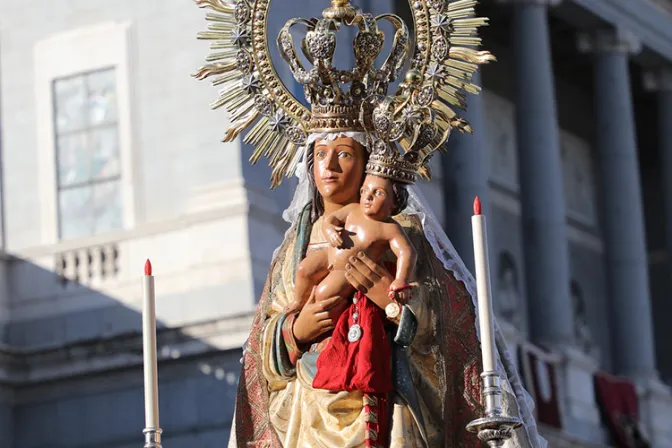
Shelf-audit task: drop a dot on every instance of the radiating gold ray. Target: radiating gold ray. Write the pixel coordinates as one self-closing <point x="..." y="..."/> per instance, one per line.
<point x="461" y="13"/>
<point x="214" y="17"/>
<point x="222" y="27"/>
<point x="461" y="4"/>
<point x="212" y="35"/>
<point x="222" y="44"/>
<point x="466" y="66"/>
<point x="214" y="57"/>
<point x="473" y="22"/>
<point x="216" y="5"/>
<point x="241" y="98"/>
<point x="227" y="77"/>
<point x="243" y="110"/>
<point x="471" y="55"/>
<point x="256" y="129"/>
<point x="227" y="97"/>
<point x="239" y="126"/>
<point x="451" y="96"/>
<point x="214" y="69"/>
<point x="468" y="41"/>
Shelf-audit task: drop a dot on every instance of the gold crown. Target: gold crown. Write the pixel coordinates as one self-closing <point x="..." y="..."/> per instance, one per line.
<point x="336" y="95"/>
<point x="385" y="161"/>
<point x="335" y="117"/>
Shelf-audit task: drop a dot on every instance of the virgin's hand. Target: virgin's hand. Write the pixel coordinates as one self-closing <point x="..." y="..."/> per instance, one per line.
<point x="370" y="278"/>
<point x="315" y="319"/>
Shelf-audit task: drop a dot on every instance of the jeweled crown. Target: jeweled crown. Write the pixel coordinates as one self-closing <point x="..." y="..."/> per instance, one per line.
<point x="336" y="95"/>
<point x="386" y="161"/>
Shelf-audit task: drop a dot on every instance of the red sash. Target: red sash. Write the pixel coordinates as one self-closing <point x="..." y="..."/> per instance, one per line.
<point x="364" y="365"/>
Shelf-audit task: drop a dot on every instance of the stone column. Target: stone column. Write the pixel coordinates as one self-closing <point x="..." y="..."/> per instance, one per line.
<point x="660" y="82"/>
<point x="546" y="249"/>
<point x="622" y="209"/>
<point x="465" y="176"/>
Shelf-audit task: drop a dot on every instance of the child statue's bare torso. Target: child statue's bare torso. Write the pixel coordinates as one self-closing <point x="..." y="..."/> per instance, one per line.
<point x="326" y="268"/>
<point x="361" y="234"/>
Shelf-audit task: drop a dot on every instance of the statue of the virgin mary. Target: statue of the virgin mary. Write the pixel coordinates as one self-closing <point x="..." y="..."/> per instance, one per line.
<point x="412" y="378"/>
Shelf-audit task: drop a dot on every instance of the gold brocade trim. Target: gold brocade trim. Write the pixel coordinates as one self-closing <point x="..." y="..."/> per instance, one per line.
<point x="370" y="400"/>
<point x="371" y="417"/>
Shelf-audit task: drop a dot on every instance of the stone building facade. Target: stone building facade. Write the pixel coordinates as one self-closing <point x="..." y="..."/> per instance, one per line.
<point x="110" y="155"/>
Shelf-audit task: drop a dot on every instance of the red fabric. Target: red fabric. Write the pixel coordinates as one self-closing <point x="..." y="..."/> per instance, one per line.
<point x="536" y="364"/>
<point x="618" y="401"/>
<point x="364" y="365"/>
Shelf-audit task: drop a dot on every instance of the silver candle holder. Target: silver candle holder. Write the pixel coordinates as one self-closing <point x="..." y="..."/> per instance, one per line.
<point x="495" y="428"/>
<point x="152" y="437"/>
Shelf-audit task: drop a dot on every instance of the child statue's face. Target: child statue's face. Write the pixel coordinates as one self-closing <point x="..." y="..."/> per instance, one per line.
<point x="377" y="197"/>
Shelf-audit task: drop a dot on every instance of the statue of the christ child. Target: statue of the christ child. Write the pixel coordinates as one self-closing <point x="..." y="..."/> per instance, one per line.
<point x="366" y="227"/>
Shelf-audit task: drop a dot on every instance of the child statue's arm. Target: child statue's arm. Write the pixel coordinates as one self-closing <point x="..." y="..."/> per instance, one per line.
<point x="333" y="224"/>
<point x="406" y="257"/>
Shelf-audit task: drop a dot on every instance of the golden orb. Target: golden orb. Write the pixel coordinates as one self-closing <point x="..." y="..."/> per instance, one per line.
<point x="413" y="77"/>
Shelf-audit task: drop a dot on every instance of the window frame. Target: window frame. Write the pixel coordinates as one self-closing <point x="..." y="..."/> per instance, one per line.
<point x="88" y="129"/>
<point x="68" y="54"/>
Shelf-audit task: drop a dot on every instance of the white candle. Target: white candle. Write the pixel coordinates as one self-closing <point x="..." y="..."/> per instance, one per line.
<point x="483" y="290"/>
<point x="149" y="349"/>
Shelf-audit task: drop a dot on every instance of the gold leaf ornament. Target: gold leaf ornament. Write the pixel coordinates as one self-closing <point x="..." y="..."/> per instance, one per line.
<point x="417" y="117"/>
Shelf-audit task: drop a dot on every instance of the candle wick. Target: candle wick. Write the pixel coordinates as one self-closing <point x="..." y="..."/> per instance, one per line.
<point x="148" y="267"/>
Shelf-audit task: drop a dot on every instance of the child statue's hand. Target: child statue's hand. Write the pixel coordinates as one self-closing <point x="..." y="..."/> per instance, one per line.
<point x="400" y="290"/>
<point x="333" y="235"/>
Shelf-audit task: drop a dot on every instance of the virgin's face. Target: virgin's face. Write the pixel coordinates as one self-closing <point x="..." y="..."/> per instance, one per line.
<point x="339" y="169"/>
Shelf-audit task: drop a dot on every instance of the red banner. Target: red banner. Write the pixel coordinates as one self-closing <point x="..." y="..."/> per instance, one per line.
<point x="540" y="376"/>
<point x="617" y="398"/>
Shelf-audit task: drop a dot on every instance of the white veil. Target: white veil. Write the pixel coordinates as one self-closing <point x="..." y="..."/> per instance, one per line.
<point x="445" y="252"/>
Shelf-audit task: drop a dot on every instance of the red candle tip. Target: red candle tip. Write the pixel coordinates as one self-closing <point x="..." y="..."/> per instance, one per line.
<point x="477" y="206"/>
<point x="148" y="267"/>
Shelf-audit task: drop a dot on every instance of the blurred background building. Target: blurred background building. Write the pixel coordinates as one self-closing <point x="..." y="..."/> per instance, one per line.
<point x="109" y="155"/>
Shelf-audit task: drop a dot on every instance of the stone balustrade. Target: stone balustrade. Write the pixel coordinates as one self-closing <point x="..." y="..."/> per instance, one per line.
<point x="209" y="264"/>
<point x="89" y="265"/>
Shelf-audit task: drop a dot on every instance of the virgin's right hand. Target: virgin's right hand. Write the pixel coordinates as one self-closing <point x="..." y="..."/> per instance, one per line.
<point x="315" y="319"/>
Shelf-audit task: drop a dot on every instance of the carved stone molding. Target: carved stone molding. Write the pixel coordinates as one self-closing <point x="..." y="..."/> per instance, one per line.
<point x="22" y="367"/>
<point x="609" y="41"/>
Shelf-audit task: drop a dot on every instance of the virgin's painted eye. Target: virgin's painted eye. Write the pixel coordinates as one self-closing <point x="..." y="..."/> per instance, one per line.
<point x="380" y="193"/>
<point x="344" y="155"/>
<point x="321" y="154"/>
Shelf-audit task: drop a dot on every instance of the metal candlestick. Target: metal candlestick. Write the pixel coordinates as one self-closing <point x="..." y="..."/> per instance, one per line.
<point x="494" y="429"/>
<point x="152" y="437"/>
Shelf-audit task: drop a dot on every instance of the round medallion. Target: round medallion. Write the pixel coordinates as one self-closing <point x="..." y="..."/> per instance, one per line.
<point x="355" y="333"/>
